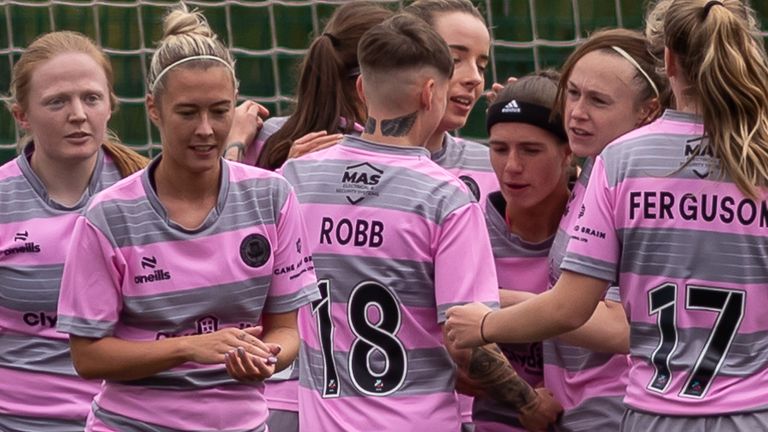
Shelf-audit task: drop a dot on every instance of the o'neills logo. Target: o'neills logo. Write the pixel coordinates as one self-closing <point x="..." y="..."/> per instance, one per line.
<point x="155" y="276"/>
<point x="28" y="247"/>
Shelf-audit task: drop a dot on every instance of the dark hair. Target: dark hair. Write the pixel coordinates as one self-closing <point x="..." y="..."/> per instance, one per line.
<point x="326" y="88"/>
<point x="634" y="44"/>
<point x="401" y="42"/>
<point x="727" y="73"/>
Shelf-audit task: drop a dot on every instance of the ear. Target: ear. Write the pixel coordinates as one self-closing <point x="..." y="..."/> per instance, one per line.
<point x="427" y="93"/>
<point x="359" y="88"/>
<point x="20" y="116"/>
<point x="153" y="110"/>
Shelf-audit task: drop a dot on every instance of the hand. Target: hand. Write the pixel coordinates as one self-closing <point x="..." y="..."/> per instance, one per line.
<point x="210" y="348"/>
<point x="246" y="124"/>
<point x="311" y="142"/>
<point x="245" y="367"/>
<point x="541" y="412"/>
<point x="496" y="88"/>
<point x="463" y="325"/>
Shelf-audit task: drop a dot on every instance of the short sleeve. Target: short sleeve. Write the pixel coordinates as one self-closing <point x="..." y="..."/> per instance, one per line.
<point x="464" y="267"/>
<point x="90" y="299"/>
<point x="593" y="248"/>
<point x="293" y="282"/>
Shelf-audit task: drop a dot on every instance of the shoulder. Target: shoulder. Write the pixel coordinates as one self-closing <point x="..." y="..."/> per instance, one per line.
<point x="10" y="170"/>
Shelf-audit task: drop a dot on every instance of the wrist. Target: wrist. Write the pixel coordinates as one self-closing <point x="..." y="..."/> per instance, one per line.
<point x="234" y="151"/>
<point x="482" y="328"/>
<point x="532" y="405"/>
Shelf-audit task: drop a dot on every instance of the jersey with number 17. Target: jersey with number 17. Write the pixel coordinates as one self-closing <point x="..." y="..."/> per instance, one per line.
<point x="396" y="241"/>
<point x="688" y="249"/>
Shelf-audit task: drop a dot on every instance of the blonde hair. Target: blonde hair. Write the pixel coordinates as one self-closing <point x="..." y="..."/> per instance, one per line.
<point x="186" y="34"/>
<point x="728" y="74"/>
<point x="48" y="46"/>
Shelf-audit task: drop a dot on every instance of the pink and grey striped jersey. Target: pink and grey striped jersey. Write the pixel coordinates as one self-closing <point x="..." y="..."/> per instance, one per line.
<point x="471" y="163"/>
<point x="689" y="252"/>
<point x="396" y="240"/>
<point x="520" y="266"/>
<point x="134" y="274"/>
<point x="589" y="385"/>
<point x="39" y="388"/>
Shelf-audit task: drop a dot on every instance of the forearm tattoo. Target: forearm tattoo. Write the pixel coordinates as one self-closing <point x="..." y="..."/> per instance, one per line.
<point x="370" y="125"/>
<point x="491" y="371"/>
<point x="399" y="126"/>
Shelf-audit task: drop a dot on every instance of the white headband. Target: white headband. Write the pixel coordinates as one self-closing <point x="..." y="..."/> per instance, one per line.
<point x="187" y="59"/>
<point x="637" y="66"/>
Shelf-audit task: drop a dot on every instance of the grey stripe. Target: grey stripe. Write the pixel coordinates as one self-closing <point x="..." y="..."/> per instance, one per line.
<point x="592" y="267"/>
<point x="291" y="302"/>
<point x="178" y="311"/>
<point x="136" y="222"/>
<point x="354" y="141"/>
<point x="572" y="358"/>
<point x="127" y="424"/>
<point x="463" y="154"/>
<point x="712" y="256"/>
<point x="19" y="201"/>
<point x="412" y="282"/>
<point x="600" y="414"/>
<point x="747" y="355"/>
<point x="756" y="419"/>
<point x="442" y="308"/>
<point x="36" y="354"/>
<point x="84" y="327"/>
<point x="10" y="423"/>
<point x="399" y="188"/>
<point x="30" y="289"/>
<point x="486" y="409"/>
<point x="188" y="380"/>
<point x="430" y="370"/>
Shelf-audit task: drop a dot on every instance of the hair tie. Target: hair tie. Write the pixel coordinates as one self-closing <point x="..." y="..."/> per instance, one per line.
<point x="334" y="40"/>
<point x="710" y="4"/>
<point x="638" y="67"/>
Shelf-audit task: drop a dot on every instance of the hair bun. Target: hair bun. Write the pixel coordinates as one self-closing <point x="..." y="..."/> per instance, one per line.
<point x="182" y="21"/>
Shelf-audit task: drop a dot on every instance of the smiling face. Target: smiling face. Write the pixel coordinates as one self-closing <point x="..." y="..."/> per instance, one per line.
<point x="194" y="115"/>
<point x="67" y="109"/>
<point x="470" y="42"/>
<point x="602" y="102"/>
<point x="531" y="164"/>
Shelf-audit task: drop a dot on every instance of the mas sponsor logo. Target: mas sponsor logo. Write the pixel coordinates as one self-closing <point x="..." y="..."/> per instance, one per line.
<point x="360" y="181"/>
<point x="155" y="275"/>
<point x="21" y="245"/>
<point x="699" y="158"/>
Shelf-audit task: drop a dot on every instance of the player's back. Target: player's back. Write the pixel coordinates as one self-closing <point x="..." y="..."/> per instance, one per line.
<point x="396" y="240"/>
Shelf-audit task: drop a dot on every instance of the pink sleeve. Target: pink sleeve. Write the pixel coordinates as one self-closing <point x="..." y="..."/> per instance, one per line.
<point x="464" y="265"/>
<point x="293" y="281"/>
<point x="90" y="299"/>
<point x="594" y="247"/>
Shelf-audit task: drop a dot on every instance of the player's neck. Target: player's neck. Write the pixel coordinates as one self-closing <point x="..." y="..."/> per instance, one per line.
<point x="540" y="222"/>
<point x="65" y="180"/>
<point x="396" y="130"/>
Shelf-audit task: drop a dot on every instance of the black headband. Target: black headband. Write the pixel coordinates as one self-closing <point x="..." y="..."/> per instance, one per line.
<point x="523" y="112"/>
<point x="710" y="4"/>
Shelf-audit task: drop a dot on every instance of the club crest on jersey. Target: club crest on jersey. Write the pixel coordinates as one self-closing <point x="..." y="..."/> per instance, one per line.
<point x="25" y="247"/>
<point x="359" y="181"/>
<point x="156" y="275"/>
<point x="471" y="185"/>
<point x="255" y="250"/>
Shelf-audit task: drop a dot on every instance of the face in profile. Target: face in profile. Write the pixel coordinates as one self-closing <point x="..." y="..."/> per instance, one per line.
<point x="531" y="163"/>
<point x="194" y="114"/>
<point x="67" y="108"/>
<point x="602" y="102"/>
<point x="469" y="42"/>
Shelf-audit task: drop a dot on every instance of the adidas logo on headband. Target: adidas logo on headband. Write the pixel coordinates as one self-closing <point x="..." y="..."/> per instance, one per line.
<point x="511" y="107"/>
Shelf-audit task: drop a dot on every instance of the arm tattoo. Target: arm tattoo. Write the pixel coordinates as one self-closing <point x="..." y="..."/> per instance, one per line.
<point x="399" y="126"/>
<point x="370" y="125"/>
<point x="492" y="372"/>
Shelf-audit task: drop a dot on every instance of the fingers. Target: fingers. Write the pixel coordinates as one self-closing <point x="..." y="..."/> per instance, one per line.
<point x="313" y="141"/>
<point x="244" y="367"/>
